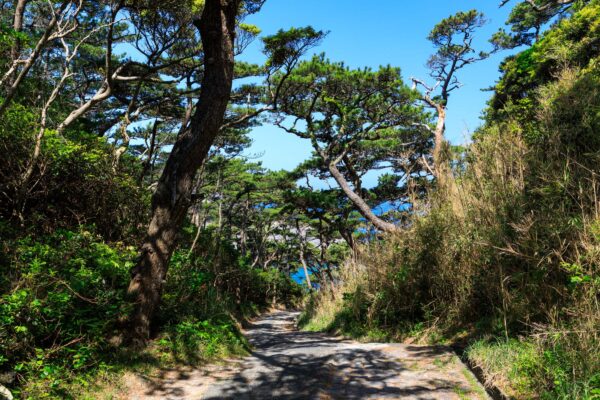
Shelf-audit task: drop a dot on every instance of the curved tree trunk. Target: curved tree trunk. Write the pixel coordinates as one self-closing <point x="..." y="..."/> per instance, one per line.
<point x="360" y="204"/>
<point x="172" y="198"/>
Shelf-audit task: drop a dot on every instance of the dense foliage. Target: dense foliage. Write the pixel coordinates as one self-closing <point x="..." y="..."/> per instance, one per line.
<point x="65" y="307"/>
<point x="493" y="247"/>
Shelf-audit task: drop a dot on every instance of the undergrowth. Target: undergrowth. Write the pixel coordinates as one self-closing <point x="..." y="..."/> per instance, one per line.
<point x="63" y="308"/>
<point x="505" y="258"/>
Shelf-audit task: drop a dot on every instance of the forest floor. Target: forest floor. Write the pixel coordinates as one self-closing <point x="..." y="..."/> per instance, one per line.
<point x="289" y="364"/>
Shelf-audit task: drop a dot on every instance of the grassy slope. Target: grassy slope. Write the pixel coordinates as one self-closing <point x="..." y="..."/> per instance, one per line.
<point x="505" y="260"/>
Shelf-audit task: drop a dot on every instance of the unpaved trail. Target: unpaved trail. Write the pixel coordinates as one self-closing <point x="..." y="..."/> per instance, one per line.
<point x="289" y="364"/>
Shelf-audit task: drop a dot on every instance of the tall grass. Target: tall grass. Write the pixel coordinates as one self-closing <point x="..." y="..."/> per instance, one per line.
<point x="508" y="254"/>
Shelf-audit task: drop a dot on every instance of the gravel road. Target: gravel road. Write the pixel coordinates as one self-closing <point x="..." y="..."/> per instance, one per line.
<point x="290" y="364"/>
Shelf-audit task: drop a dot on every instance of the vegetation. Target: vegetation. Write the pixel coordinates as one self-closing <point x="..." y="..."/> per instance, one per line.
<point x="508" y="260"/>
<point x="135" y="234"/>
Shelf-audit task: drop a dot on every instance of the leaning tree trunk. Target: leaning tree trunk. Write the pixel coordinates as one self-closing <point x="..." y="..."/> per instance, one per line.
<point x="172" y="198"/>
<point x="305" y="267"/>
<point x="303" y="256"/>
<point x="363" y="208"/>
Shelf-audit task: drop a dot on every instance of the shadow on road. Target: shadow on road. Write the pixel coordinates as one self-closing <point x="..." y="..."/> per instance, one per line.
<point x="287" y="364"/>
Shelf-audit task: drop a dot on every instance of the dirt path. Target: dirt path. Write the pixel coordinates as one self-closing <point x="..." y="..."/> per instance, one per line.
<point x="289" y="364"/>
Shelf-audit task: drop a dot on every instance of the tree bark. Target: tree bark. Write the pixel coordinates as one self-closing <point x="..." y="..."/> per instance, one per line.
<point x="15" y="50"/>
<point x="172" y="198"/>
<point x="305" y="267"/>
<point x="442" y="170"/>
<point x="302" y="245"/>
<point x="363" y="207"/>
<point x="439" y="140"/>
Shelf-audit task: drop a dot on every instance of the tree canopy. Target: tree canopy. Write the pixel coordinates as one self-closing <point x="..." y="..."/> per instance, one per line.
<point x="138" y="230"/>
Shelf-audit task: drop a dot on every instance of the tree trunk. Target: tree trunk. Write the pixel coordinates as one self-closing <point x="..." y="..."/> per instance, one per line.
<point x="172" y="198"/>
<point x="199" y="221"/>
<point x="37" y="148"/>
<point x="305" y="267"/>
<point x="439" y="137"/>
<point x="442" y="163"/>
<point x="347" y="236"/>
<point x="15" y="50"/>
<point x="362" y="206"/>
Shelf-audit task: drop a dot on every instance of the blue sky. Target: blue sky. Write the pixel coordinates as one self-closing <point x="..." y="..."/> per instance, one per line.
<point x="373" y="33"/>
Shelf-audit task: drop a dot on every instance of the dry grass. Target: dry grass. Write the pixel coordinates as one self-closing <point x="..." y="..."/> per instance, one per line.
<point x="509" y="248"/>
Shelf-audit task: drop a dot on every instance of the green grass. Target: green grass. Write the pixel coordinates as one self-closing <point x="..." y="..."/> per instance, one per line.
<point x="524" y="370"/>
<point x="191" y="342"/>
<point x="507" y="365"/>
<point x="474" y="384"/>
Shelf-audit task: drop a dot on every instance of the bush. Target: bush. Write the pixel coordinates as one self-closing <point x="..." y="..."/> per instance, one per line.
<point x="215" y="277"/>
<point x="525" y="369"/>
<point x="507" y="365"/>
<point x="62" y="298"/>
<point x="193" y="340"/>
<point x="73" y="182"/>
<point x="63" y="305"/>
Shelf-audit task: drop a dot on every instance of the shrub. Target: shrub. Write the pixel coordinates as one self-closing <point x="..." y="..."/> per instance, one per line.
<point x="62" y="298"/>
<point x="73" y="181"/>
<point x="63" y="304"/>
